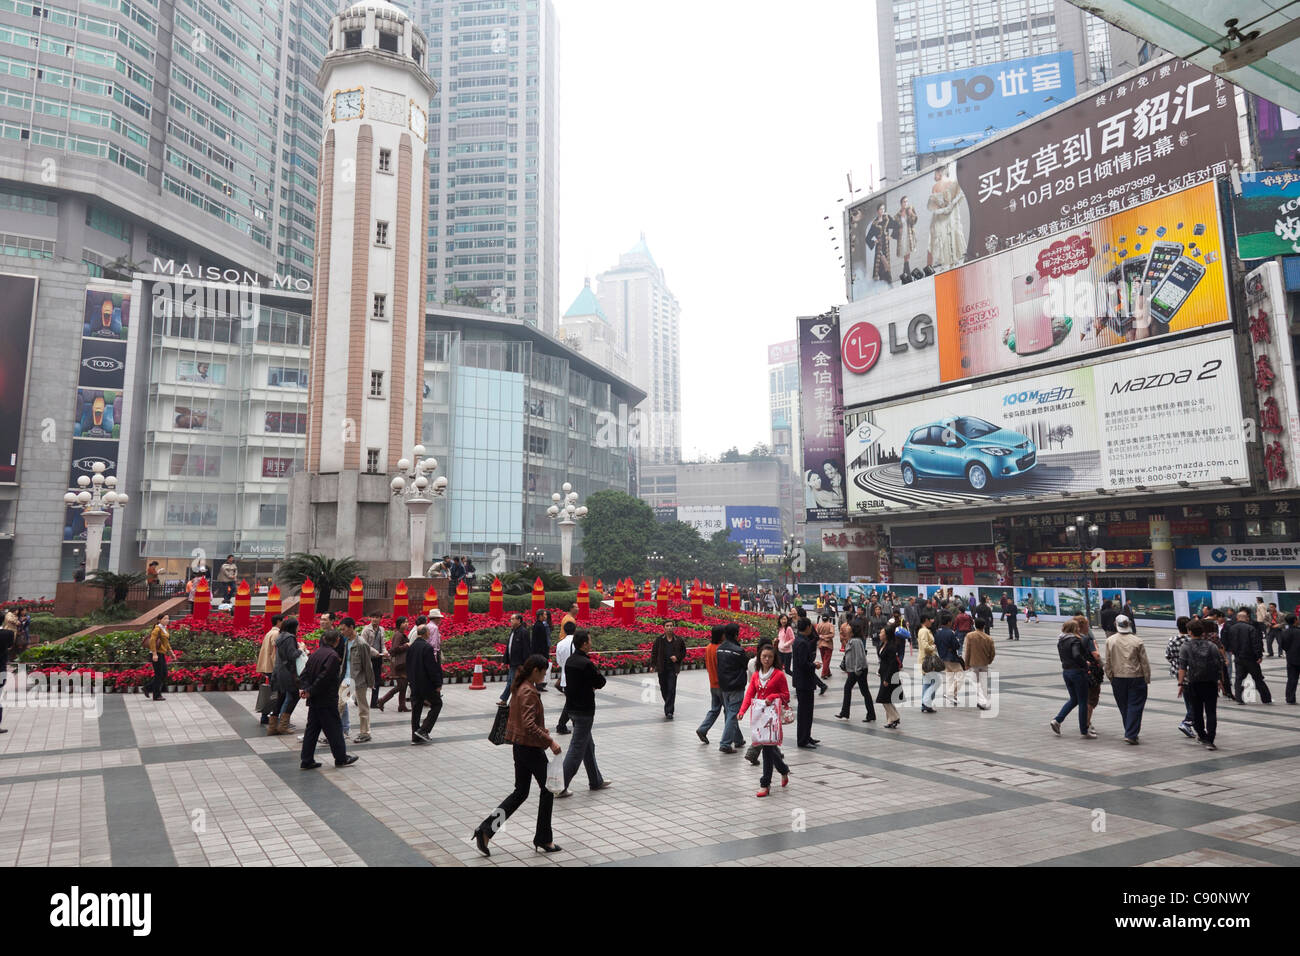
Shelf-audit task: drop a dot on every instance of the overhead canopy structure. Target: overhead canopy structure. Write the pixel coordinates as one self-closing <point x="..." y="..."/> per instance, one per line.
<point x="1220" y="37"/>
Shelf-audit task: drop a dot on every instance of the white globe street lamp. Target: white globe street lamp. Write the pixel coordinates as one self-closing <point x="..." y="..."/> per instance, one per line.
<point x="566" y="510"/>
<point x="97" y="499"/>
<point x="417" y="488"/>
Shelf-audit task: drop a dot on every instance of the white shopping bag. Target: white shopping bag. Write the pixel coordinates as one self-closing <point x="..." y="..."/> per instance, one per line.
<point x="765" y="722"/>
<point x="555" y="773"/>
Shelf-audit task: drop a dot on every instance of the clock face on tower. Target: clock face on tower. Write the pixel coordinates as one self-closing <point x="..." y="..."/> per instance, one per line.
<point x="348" y="104"/>
<point x="419" y="122"/>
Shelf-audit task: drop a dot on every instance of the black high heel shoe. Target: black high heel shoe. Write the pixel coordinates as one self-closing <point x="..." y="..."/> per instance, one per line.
<point x="553" y="848"/>
<point x="481" y="842"/>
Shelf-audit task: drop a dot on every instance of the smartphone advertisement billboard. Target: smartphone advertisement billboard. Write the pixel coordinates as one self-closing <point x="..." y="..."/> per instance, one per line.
<point x="1151" y="419"/>
<point x="1147" y="135"/>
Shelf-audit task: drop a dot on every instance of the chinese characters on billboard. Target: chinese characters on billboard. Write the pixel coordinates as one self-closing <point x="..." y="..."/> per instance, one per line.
<point x="1274" y="372"/>
<point x="1165" y="129"/>
<point x="821" y="415"/>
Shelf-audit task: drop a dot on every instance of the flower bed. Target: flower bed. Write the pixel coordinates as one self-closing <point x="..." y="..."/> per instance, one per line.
<point x="217" y="655"/>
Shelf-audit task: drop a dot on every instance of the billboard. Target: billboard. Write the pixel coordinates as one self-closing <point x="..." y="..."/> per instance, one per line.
<point x="821" y="417"/>
<point x="783" y="353"/>
<point x="17" y="315"/>
<point x="751" y="525"/>
<point x="959" y="108"/>
<point x="888" y="344"/>
<point x="1155" y="132"/>
<point x="1278" y="426"/>
<point x="1151" y="419"/>
<point x="707" y="520"/>
<point x="1151" y="270"/>
<point x="1266" y="214"/>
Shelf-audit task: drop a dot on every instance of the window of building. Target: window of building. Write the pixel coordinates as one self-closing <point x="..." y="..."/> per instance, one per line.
<point x="380" y="309"/>
<point x="272" y="516"/>
<point x="388" y="41"/>
<point x="381" y="233"/>
<point x="376" y="384"/>
<point x="372" y="461"/>
<point x="352" y="39"/>
<point x="385" y="160"/>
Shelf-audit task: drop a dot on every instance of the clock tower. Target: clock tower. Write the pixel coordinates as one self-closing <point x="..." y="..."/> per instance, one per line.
<point x="367" y="335"/>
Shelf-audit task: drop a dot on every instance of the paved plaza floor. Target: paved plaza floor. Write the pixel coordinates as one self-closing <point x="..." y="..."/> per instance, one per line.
<point x="193" y="781"/>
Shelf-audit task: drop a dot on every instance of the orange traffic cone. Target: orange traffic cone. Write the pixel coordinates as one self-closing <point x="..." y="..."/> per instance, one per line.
<point x="477" y="682"/>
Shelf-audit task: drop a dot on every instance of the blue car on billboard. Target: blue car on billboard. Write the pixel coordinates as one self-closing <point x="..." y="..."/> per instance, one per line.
<point x="966" y="447"/>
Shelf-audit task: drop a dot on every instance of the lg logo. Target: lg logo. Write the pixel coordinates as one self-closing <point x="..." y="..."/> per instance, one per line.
<point x="863" y="346"/>
<point x="941" y="94"/>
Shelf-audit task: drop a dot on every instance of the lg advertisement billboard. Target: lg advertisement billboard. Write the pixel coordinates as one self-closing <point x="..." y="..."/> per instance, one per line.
<point x="1151" y="134"/>
<point x="961" y="107"/>
<point x="1148" y="420"/>
<point x="1152" y="270"/>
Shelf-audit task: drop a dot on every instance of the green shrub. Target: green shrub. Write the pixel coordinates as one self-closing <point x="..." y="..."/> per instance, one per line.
<point x="478" y="601"/>
<point x="128" y="647"/>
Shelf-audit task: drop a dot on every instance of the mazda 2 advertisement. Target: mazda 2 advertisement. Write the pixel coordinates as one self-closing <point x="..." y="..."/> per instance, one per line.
<point x="968" y="449"/>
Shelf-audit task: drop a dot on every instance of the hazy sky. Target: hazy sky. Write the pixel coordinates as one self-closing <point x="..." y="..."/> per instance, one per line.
<point x="723" y="130"/>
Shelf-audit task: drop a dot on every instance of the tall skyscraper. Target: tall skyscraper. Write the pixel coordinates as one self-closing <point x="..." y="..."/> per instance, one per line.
<point x="494" y="229"/>
<point x="783" y="407"/>
<point x="636" y="298"/>
<point x="367" y="355"/>
<point x="923" y="37"/>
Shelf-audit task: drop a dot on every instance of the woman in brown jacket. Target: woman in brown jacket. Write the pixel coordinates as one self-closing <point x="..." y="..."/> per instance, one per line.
<point x="401" y="643"/>
<point x="526" y="730"/>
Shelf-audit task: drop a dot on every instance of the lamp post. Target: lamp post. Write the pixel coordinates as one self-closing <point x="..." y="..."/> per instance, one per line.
<point x="534" y="556"/>
<point x="1087" y="536"/>
<point x="417" y="489"/>
<point x="98" y="498"/>
<point x="791" y="549"/>
<point x="565" y="509"/>
<point x="655" y="560"/>
<point x="755" y="554"/>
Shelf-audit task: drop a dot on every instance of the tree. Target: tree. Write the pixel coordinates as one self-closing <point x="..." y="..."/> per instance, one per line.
<point x="616" y="535"/>
<point x="114" y="585"/>
<point x="682" y="548"/>
<point x="328" y="574"/>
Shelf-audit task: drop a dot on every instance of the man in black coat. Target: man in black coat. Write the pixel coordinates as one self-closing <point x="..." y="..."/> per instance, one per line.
<point x="983" y="615"/>
<point x="732" y="678"/>
<point x="581" y="681"/>
<point x="666" y="656"/>
<point x="804" y="664"/>
<point x="424" y="677"/>
<point x="1246" y="643"/>
<point x="7" y="639"/>
<point x="320" y="688"/>
<point x="1288" y="644"/>
<point x="518" y="647"/>
<point x="1107" y="617"/>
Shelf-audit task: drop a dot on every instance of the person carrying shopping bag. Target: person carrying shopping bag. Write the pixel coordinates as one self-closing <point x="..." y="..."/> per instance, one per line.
<point x="769" y="693"/>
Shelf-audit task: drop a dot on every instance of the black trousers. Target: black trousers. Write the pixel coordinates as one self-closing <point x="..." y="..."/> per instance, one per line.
<point x="1248" y="667"/>
<point x="418" y="704"/>
<point x="374" y="691"/>
<point x="564" y="711"/>
<point x="1204" y="698"/>
<point x="668" y="687"/>
<point x="530" y="764"/>
<point x="1292" y="677"/>
<point x="323" y="718"/>
<point x="1013" y="632"/>
<point x="155" y="686"/>
<point x="803" y="715"/>
<point x="1274" y="635"/>
<point x="860" y="680"/>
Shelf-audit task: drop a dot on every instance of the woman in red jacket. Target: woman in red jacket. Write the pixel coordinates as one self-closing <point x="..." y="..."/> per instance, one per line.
<point x="768" y="683"/>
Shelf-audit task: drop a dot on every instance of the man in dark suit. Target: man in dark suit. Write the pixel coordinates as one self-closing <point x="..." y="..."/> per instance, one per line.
<point x="518" y="647"/>
<point x="1011" y="613"/>
<point x="804" y="664"/>
<point x="1244" y="640"/>
<point x="320" y="683"/>
<point x="1289" y="645"/>
<point x="666" y="656"/>
<point x="424" y="676"/>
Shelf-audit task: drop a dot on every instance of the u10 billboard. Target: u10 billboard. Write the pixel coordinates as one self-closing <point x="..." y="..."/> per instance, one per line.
<point x="1152" y="419"/>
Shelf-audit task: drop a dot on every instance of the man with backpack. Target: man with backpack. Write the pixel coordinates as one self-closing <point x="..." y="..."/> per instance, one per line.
<point x="1200" y="676"/>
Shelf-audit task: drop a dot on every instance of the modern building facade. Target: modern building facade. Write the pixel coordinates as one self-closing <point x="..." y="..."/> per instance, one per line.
<point x="783" y="408"/>
<point x="645" y="314"/>
<point x="923" y="37"/>
<point x="493" y="229"/>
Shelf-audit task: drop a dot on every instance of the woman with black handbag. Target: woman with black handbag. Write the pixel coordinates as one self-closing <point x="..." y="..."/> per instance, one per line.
<point x="526" y="730"/>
